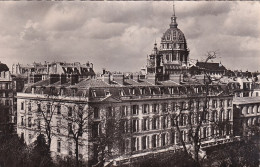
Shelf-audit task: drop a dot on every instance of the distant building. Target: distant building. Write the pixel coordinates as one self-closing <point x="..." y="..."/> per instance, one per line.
<point x="84" y="70"/>
<point x="173" y="55"/>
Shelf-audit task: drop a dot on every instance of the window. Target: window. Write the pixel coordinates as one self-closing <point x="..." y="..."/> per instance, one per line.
<point x="163" y="139"/>
<point x="70" y="128"/>
<point x="155" y="108"/>
<point x="229" y="103"/>
<point x="164" y="122"/>
<point x="58" y="109"/>
<point x="144" y="142"/>
<point x="96" y="112"/>
<point x="29" y="122"/>
<point x="48" y="108"/>
<point x="155" y="123"/>
<point x="70" y="148"/>
<point x="145" y="124"/>
<point x="58" y="146"/>
<point x="174" y="106"/>
<point x="110" y="111"/>
<point x="228" y="114"/>
<point x="145" y="108"/>
<point x="221" y="103"/>
<point x="124" y="111"/>
<point x="164" y="107"/>
<point x="135" y="109"/>
<point x="39" y="107"/>
<point x="214" y="103"/>
<point x="39" y="124"/>
<point x="135" y="123"/>
<point x="132" y="91"/>
<point x="22" y="121"/>
<point x="124" y="125"/>
<point x="58" y="125"/>
<point x="142" y="91"/>
<point x="134" y="144"/>
<point x="121" y="93"/>
<point x="173" y="137"/>
<point x="154" y="141"/>
<point x="95" y="129"/>
<point x="69" y="111"/>
<point x="7" y="102"/>
<point x="22" y="105"/>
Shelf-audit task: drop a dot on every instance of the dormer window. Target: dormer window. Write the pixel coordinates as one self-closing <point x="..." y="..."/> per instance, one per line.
<point x="61" y="91"/>
<point x="74" y="90"/>
<point x="42" y="89"/>
<point x="52" y="90"/>
<point x="171" y="90"/>
<point x="142" y="91"/>
<point x="121" y="93"/>
<point x="152" y="91"/>
<point x="162" y="90"/>
<point x="107" y="93"/>
<point x="33" y="90"/>
<point x="132" y="91"/>
<point x="94" y="93"/>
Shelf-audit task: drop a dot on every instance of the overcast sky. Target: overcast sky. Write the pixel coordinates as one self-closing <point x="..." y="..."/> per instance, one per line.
<point x="119" y="35"/>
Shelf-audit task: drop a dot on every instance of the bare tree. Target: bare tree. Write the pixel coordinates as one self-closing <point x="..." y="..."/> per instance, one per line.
<point x="77" y="119"/>
<point x="44" y="112"/>
<point x="108" y="136"/>
<point x="196" y="119"/>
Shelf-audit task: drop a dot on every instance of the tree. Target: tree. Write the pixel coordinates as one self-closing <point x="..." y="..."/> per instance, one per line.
<point x="108" y="137"/>
<point x="40" y="155"/>
<point x="44" y="112"/>
<point x="77" y="120"/>
<point x="196" y="119"/>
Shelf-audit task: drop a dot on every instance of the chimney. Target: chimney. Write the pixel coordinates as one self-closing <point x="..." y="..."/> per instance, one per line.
<point x="151" y="78"/>
<point x="54" y="78"/>
<point x="106" y="78"/>
<point x="136" y="77"/>
<point x="119" y="78"/>
<point x="103" y="71"/>
<point x="74" y="79"/>
<point x="63" y="79"/>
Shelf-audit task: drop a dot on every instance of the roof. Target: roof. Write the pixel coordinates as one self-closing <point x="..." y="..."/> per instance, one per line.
<point x="3" y="67"/>
<point x="211" y="66"/>
<point x="246" y="100"/>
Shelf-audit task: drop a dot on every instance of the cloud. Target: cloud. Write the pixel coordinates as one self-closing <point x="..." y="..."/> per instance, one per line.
<point x="120" y="35"/>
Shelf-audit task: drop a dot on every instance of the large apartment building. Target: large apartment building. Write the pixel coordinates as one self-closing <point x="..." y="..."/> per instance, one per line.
<point x="144" y="106"/>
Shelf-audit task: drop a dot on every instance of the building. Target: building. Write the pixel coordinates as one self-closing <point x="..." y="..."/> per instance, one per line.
<point x="144" y="105"/>
<point x="173" y="55"/>
<point x="84" y="70"/>
<point x="6" y="100"/>
<point x="246" y="114"/>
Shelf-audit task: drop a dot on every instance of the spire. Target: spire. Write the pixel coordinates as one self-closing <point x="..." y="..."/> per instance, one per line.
<point x="173" y="18"/>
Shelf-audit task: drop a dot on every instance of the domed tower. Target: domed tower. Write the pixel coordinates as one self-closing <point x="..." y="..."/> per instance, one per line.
<point x="174" y="51"/>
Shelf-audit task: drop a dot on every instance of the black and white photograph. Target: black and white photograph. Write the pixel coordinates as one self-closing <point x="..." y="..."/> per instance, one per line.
<point x="130" y="84"/>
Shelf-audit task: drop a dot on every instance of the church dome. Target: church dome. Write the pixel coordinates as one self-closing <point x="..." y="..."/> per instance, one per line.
<point x="173" y="38"/>
<point x="173" y="35"/>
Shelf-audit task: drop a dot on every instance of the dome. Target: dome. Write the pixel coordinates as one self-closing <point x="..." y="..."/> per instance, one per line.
<point x="173" y="35"/>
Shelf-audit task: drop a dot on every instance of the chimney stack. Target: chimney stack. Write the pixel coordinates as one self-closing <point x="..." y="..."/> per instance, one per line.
<point x="119" y="78"/>
<point x="63" y="79"/>
<point x="74" y="79"/>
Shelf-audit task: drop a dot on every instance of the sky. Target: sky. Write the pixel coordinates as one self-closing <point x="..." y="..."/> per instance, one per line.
<point x="118" y="36"/>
